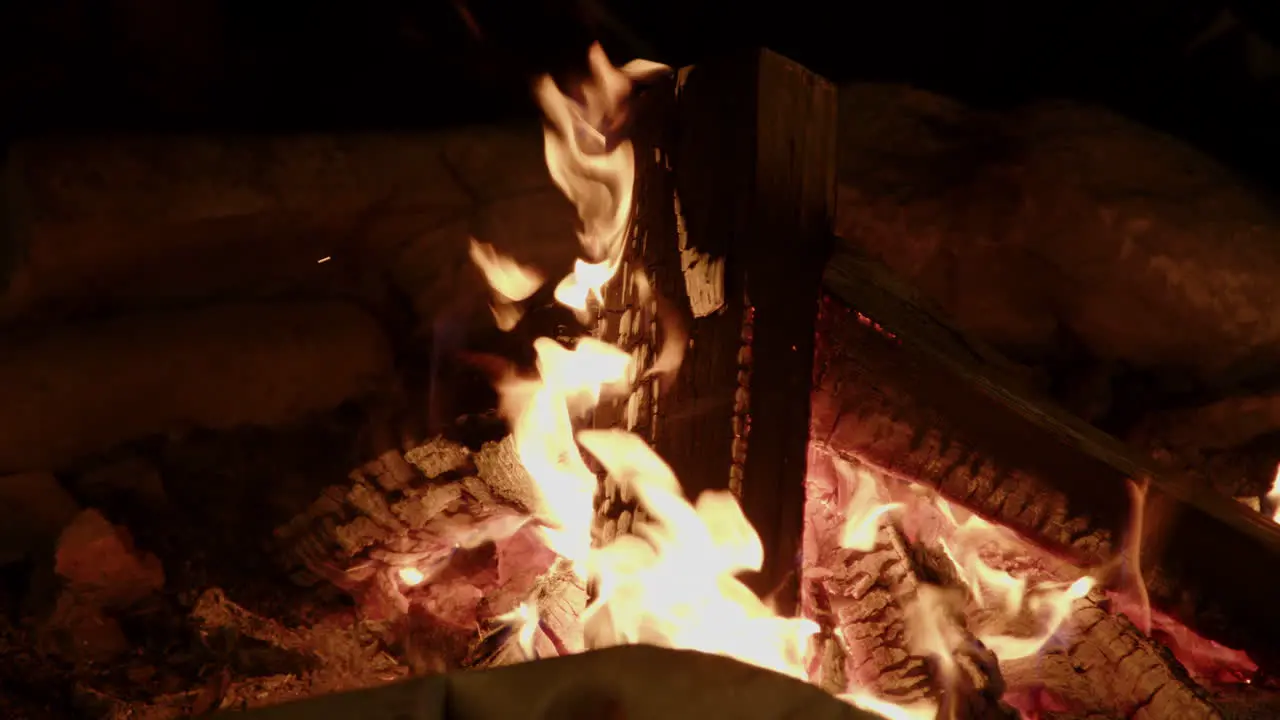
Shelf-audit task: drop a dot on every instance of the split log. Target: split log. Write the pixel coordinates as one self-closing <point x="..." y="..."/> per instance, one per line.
<point x="612" y="683"/>
<point x="905" y="392"/>
<point x="1098" y="662"/>
<point x="868" y="599"/>
<point x="457" y="520"/>
<point x="735" y="188"/>
<point x="78" y="390"/>
<point x="405" y="511"/>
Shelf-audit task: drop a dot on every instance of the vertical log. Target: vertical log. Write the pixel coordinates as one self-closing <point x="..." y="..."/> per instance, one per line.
<point x="734" y="198"/>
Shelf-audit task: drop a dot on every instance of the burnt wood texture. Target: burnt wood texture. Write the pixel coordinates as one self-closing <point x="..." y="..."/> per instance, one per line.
<point x="899" y="388"/>
<point x="733" y="209"/>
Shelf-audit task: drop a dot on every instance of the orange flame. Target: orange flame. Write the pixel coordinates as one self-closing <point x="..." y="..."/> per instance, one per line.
<point x="673" y="581"/>
<point x="1273" y="496"/>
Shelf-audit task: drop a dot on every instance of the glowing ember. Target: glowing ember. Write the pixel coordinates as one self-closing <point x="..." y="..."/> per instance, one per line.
<point x="412" y="576"/>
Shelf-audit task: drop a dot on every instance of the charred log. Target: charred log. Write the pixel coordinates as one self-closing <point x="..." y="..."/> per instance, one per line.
<point x="905" y="392"/>
<point x="871" y="605"/>
<point x="436" y="543"/>
<point x="1101" y="663"/>
<point x="734" y="198"/>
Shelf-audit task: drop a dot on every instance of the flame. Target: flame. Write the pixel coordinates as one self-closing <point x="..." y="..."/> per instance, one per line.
<point x="411" y="576"/>
<point x="511" y="282"/>
<point x="524" y="618"/>
<point x="1273" y="497"/>
<point x="674" y="580"/>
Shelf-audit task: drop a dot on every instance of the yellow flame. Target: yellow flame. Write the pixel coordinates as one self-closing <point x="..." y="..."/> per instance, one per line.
<point x="511" y="282"/>
<point x="673" y="580"/>
<point x="524" y="618"/>
<point x="1274" y="496"/>
<point x="411" y="576"/>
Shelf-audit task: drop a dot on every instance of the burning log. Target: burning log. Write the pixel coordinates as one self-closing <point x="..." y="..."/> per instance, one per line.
<point x="734" y="157"/>
<point x="901" y="390"/>
<point x="439" y="542"/>
<point x="1101" y="663"/>
<point x="870" y="596"/>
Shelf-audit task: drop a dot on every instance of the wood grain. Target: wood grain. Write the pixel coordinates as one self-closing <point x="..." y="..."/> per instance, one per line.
<point x="903" y="390"/>
<point x="747" y="145"/>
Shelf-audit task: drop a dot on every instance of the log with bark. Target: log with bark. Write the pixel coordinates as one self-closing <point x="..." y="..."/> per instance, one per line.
<point x="903" y="391"/>
<point x="733" y="202"/>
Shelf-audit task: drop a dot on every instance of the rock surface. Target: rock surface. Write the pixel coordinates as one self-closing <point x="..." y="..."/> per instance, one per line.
<point x="35" y="510"/>
<point x="141" y="221"/>
<point x="1058" y="219"/>
<point x="78" y="390"/>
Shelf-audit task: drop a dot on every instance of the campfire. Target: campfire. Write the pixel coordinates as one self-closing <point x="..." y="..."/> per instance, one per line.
<point x="723" y="431"/>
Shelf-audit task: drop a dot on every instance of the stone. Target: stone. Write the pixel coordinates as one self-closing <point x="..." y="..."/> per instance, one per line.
<point x="35" y="509"/>
<point x="82" y="632"/>
<point x="99" y="563"/>
<point x="1059" y="222"/>
<point x="139" y="221"/>
<point x="70" y="392"/>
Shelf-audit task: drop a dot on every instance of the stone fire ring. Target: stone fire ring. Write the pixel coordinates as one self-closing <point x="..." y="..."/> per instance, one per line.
<point x="634" y="682"/>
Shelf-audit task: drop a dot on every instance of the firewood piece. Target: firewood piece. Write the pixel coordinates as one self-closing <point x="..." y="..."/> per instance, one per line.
<point x="559" y="597"/>
<point x="873" y="599"/>
<point x="904" y="391"/>
<point x="499" y="466"/>
<point x="616" y="682"/>
<point x="349" y="524"/>
<point x="438" y="456"/>
<point x="1099" y="662"/>
<point x="734" y="196"/>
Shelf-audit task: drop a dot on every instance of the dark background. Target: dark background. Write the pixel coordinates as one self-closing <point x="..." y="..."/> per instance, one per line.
<point x="286" y="66"/>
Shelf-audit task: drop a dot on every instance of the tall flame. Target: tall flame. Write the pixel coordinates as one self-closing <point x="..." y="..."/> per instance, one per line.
<point x="674" y="580"/>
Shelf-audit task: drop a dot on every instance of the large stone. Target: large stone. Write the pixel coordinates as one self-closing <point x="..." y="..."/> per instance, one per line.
<point x="34" y="508"/>
<point x="79" y="390"/>
<point x="125" y="222"/>
<point x="1058" y="221"/>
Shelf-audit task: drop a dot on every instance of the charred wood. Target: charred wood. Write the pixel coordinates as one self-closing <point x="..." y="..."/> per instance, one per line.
<point x="434" y="544"/>
<point x="734" y="197"/>
<point x="1101" y="663"/>
<point x="902" y="390"/>
<point x="883" y="624"/>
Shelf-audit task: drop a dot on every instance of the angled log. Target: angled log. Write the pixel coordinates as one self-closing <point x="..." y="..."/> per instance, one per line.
<point x="866" y="601"/>
<point x="900" y="389"/>
<point x="735" y="189"/>
<point x="1100" y="663"/>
